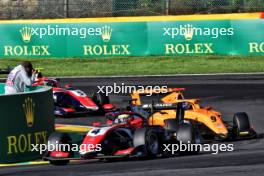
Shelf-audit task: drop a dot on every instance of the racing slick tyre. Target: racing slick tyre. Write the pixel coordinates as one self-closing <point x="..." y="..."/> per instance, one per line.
<point x="59" y="162"/>
<point x="188" y="134"/>
<point x="100" y="99"/>
<point x="171" y="125"/>
<point x="148" y="140"/>
<point x="55" y="139"/>
<point x="241" y="124"/>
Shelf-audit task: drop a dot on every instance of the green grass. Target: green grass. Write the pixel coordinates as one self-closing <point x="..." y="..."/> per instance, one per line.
<point x="144" y="65"/>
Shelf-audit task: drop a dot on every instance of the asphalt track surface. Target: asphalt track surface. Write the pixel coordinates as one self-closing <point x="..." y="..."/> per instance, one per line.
<point x="227" y="93"/>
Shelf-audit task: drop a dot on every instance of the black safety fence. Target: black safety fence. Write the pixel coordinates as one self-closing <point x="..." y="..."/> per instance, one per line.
<point x="30" y="9"/>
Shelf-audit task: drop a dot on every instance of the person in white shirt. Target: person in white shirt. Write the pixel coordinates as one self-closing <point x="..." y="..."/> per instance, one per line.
<point x="19" y="78"/>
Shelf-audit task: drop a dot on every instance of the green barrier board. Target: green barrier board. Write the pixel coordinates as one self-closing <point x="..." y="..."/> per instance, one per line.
<point x="2" y="89"/>
<point x="106" y="39"/>
<point x="26" y="119"/>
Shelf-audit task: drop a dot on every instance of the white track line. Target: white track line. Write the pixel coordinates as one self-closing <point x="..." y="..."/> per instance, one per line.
<point x="169" y="75"/>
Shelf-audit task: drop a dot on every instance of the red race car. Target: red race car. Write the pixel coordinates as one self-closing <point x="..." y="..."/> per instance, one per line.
<point x="69" y="101"/>
<point x="127" y="134"/>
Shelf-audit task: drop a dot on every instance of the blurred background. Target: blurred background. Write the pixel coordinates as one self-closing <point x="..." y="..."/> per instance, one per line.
<point x="32" y="9"/>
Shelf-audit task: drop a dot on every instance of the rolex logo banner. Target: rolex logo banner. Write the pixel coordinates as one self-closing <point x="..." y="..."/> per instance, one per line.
<point x="26" y="120"/>
<point x="229" y="34"/>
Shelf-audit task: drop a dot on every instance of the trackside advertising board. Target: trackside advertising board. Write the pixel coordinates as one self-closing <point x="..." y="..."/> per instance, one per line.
<point x="26" y="119"/>
<point x="229" y="34"/>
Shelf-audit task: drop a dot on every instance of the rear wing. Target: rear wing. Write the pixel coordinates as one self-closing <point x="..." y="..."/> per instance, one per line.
<point x="160" y="106"/>
<point x="158" y="91"/>
<point x="166" y="95"/>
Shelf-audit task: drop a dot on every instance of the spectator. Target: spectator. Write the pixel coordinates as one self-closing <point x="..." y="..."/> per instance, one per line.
<point x="19" y="78"/>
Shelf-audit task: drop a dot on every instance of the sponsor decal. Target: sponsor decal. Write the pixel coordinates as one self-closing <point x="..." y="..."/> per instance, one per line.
<point x="106" y="33"/>
<point x="106" y="49"/>
<point x="23" y="142"/>
<point x="255" y="47"/>
<point x="197" y="48"/>
<point x="188" y="31"/>
<point x="26" y="33"/>
<point x="26" y="50"/>
<point x="29" y="110"/>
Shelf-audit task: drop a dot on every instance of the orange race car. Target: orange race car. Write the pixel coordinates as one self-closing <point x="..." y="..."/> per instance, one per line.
<point x="209" y="121"/>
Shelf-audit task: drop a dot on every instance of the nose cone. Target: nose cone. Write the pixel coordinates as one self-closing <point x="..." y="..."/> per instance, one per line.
<point x="90" y="108"/>
<point x="88" y="104"/>
<point x="93" y="108"/>
<point x="222" y="136"/>
<point x="221" y="130"/>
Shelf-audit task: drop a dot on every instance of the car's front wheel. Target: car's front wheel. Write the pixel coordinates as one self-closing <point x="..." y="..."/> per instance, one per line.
<point x="55" y="139"/>
<point x="241" y="125"/>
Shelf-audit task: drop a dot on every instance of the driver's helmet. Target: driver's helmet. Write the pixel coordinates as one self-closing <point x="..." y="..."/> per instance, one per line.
<point x="122" y="118"/>
<point x="50" y="82"/>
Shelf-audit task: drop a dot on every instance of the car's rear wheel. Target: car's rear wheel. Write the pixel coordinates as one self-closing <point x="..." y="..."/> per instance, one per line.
<point x="148" y="140"/>
<point x="101" y="99"/>
<point x="171" y="125"/>
<point x="187" y="134"/>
